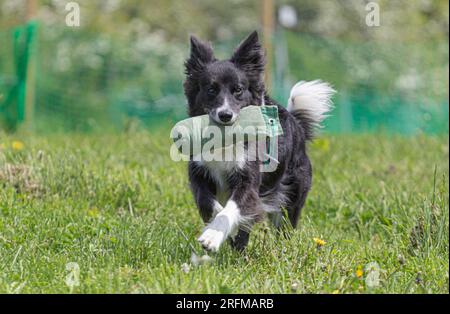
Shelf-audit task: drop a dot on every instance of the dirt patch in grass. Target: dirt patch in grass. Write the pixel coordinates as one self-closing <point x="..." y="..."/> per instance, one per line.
<point x="20" y="177"/>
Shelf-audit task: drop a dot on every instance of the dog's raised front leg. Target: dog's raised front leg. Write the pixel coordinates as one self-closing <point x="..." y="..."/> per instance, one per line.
<point x="221" y="227"/>
<point x="240" y="211"/>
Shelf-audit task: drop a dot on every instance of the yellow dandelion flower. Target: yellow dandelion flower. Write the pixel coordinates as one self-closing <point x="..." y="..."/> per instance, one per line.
<point x="335" y="292"/>
<point x="322" y="144"/>
<point x="93" y="212"/>
<point x="319" y="242"/>
<point x="17" y="145"/>
<point x="359" y="272"/>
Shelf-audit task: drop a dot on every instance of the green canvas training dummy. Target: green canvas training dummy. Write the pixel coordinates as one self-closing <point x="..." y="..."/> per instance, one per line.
<point x="197" y="135"/>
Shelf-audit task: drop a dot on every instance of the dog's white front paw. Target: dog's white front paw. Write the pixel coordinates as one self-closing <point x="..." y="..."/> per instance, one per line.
<point x="211" y="239"/>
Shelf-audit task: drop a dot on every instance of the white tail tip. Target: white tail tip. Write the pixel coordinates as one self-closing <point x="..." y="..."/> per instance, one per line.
<point x="313" y="99"/>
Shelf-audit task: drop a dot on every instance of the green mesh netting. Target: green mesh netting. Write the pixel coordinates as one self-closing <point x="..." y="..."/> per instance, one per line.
<point x="16" y="47"/>
<point x="93" y="81"/>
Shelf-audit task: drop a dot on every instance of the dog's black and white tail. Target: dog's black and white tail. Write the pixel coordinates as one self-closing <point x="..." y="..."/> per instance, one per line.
<point x="310" y="102"/>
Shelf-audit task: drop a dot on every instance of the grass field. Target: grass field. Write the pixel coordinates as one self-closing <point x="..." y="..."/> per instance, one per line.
<point x="376" y="220"/>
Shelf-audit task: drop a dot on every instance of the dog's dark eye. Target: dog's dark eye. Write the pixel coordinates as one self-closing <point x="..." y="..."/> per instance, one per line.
<point x="211" y="91"/>
<point x="238" y="91"/>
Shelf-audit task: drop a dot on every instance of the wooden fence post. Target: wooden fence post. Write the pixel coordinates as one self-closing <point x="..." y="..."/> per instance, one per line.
<point x="267" y="17"/>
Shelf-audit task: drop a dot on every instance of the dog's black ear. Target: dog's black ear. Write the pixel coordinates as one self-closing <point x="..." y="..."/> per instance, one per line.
<point x="249" y="56"/>
<point x="201" y="54"/>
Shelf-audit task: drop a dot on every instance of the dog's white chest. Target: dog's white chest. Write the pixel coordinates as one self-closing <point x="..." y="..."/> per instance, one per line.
<point x="219" y="172"/>
<point x="221" y="167"/>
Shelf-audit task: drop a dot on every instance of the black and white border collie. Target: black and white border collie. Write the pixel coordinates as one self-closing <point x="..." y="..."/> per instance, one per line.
<point x="232" y="195"/>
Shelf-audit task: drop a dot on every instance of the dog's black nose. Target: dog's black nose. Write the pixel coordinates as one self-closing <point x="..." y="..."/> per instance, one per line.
<point x="225" y="116"/>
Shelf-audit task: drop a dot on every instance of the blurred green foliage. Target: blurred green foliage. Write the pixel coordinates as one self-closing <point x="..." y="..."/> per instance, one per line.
<point x="125" y="62"/>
